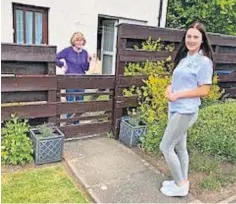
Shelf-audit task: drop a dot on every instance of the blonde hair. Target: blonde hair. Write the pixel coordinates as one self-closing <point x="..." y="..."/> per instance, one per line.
<point x="76" y="36"/>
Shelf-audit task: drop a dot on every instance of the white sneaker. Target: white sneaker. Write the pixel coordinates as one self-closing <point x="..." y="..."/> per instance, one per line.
<point x="175" y="190"/>
<point x="168" y="183"/>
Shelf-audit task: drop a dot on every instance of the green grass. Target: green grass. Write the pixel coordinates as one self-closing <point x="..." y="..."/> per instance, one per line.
<point x="218" y="172"/>
<point x="210" y="183"/>
<point x="46" y="185"/>
<point x="203" y="163"/>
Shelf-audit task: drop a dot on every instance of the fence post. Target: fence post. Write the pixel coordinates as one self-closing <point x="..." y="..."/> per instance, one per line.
<point x="52" y="94"/>
<point x="118" y="112"/>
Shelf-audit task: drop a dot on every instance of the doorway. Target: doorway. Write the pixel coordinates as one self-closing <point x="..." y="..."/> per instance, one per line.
<point x="106" y="44"/>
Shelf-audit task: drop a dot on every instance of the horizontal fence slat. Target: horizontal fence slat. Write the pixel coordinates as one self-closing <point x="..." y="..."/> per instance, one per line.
<point x="26" y="53"/>
<point x="168" y="34"/>
<point x="86" y="82"/>
<point x="126" y="102"/>
<point x="144" y="32"/>
<point x="87" y="106"/>
<point x="222" y="40"/>
<point x="29" y="111"/>
<point x="228" y="78"/>
<point x="225" y="58"/>
<point x="28" y="83"/>
<point x="84" y="118"/>
<point x="86" y="129"/>
<point x="142" y="56"/>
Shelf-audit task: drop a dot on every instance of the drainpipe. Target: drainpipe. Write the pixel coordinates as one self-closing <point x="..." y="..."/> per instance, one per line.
<point x="160" y="13"/>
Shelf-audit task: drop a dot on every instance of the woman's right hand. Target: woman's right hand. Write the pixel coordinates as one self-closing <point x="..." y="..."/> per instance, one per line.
<point x="64" y="68"/>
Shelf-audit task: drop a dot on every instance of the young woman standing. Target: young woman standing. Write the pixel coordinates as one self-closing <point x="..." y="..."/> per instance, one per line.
<point x="191" y="79"/>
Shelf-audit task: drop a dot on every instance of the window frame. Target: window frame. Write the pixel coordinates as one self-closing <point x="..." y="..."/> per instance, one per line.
<point x="24" y="8"/>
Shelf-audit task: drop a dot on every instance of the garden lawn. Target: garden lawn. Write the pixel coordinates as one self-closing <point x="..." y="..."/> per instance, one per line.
<point x="41" y="185"/>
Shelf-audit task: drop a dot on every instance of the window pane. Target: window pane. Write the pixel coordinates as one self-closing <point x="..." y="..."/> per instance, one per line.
<point x="108" y="36"/>
<point x="29" y="27"/>
<point x="19" y="27"/>
<point x="38" y="28"/>
<point x="107" y="64"/>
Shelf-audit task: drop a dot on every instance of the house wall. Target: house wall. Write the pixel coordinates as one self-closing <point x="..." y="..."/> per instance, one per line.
<point x="66" y="17"/>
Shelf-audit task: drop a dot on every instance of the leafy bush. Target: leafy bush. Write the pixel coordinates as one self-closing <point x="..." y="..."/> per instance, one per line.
<point x="153" y="103"/>
<point x="214" y="94"/>
<point x="147" y="68"/>
<point x="215" y="131"/>
<point x="16" y="146"/>
<point x="155" y="45"/>
<point x="151" y="141"/>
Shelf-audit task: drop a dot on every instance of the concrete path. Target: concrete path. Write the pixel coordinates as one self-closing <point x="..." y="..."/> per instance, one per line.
<point x="112" y="173"/>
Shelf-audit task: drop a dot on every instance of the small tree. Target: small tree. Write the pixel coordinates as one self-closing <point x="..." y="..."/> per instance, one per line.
<point x="219" y="16"/>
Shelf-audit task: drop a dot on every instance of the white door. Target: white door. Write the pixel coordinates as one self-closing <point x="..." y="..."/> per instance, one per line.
<point x="108" y="48"/>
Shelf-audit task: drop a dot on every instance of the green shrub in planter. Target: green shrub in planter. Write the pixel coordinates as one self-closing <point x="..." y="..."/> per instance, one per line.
<point x="48" y="142"/>
<point x="215" y="131"/>
<point x="16" y="146"/>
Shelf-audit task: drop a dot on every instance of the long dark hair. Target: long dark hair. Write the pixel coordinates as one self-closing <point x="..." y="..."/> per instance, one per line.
<point x="205" y="46"/>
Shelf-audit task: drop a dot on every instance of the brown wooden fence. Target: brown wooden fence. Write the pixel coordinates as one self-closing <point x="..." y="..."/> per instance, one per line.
<point x="28" y="59"/>
<point x="97" y="112"/>
<point x="32" y="90"/>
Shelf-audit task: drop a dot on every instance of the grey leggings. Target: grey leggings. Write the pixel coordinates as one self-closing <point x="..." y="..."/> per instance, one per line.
<point x="174" y="144"/>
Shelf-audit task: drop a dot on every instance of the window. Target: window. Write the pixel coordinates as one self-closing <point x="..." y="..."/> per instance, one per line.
<point x="30" y="24"/>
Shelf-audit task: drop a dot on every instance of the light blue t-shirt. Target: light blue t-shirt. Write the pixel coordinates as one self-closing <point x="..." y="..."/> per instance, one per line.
<point x="191" y="72"/>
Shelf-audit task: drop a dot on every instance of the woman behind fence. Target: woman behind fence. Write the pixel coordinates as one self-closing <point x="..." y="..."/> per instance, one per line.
<point x="76" y="61"/>
<point x="191" y="79"/>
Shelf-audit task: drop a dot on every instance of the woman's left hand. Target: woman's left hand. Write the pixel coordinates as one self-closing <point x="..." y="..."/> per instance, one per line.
<point x="172" y="96"/>
<point x="89" y="58"/>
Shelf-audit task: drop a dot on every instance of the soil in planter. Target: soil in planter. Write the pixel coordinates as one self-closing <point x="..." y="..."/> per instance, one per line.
<point x="141" y="123"/>
<point x="206" y="186"/>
